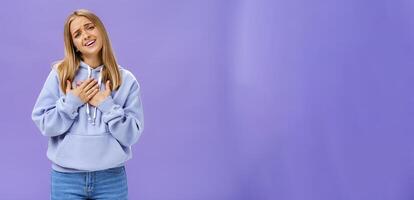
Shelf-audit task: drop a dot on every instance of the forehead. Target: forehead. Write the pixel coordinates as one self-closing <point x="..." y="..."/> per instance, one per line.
<point x="78" y="22"/>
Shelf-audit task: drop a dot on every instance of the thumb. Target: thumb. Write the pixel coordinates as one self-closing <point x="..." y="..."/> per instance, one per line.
<point x="68" y="86"/>
<point x="107" y="86"/>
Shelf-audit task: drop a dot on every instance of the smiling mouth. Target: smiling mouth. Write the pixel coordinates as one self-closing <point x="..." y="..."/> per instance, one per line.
<point x="90" y="43"/>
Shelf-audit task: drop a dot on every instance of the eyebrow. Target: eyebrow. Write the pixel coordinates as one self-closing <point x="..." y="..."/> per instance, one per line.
<point x="87" y="24"/>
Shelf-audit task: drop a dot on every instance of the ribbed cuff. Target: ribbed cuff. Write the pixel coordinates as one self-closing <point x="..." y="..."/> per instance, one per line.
<point x="106" y="105"/>
<point x="73" y="102"/>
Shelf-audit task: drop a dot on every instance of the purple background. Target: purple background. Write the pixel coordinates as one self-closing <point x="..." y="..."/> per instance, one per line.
<point x="254" y="99"/>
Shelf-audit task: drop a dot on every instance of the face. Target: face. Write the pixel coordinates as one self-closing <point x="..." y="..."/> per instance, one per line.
<point x="86" y="36"/>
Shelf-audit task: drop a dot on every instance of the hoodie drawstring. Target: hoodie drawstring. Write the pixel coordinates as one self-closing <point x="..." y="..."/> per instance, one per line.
<point x="99" y="88"/>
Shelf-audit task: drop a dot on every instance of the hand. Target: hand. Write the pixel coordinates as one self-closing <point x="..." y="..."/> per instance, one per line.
<point x="101" y="95"/>
<point x="85" y="91"/>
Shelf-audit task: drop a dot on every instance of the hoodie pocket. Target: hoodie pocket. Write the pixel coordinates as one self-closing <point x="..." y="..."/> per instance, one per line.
<point x="90" y="152"/>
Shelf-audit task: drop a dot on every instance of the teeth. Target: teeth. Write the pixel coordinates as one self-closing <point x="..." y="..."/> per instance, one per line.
<point x="90" y="42"/>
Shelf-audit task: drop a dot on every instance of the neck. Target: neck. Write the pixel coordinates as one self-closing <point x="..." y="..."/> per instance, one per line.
<point x="92" y="61"/>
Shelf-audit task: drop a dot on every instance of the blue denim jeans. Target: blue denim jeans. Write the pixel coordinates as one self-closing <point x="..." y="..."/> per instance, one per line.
<point x="105" y="184"/>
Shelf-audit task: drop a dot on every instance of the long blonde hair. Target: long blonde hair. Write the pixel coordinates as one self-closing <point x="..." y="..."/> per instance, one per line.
<point x="68" y="66"/>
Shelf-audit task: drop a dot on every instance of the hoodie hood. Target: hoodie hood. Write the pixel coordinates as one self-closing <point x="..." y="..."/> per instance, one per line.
<point x="83" y="65"/>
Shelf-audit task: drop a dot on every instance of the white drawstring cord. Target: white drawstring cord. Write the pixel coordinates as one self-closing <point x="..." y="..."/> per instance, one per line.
<point x="87" y="104"/>
<point x="99" y="88"/>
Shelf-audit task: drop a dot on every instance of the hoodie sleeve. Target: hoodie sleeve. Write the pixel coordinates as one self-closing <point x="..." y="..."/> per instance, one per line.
<point x="126" y="122"/>
<point x="54" y="114"/>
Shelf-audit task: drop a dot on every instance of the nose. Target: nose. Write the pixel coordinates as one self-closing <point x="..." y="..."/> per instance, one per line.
<point x="85" y="35"/>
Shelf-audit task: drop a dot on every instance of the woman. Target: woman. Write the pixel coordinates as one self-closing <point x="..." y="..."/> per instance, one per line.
<point x="90" y="109"/>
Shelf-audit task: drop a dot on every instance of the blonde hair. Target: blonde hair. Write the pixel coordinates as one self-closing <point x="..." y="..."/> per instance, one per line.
<point x="68" y="66"/>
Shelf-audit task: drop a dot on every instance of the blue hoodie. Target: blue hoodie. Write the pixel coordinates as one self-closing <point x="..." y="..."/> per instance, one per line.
<point x="77" y="141"/>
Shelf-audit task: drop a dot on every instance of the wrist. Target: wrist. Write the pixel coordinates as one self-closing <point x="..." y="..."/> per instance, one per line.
<point x="106" y="104"/>
<point x="73" y="100"/>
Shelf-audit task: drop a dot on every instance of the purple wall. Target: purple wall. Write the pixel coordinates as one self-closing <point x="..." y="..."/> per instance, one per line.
<point x="255" y="100"/>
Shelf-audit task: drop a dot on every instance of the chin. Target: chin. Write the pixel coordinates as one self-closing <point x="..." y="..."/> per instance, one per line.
<point x="93" y="52"/>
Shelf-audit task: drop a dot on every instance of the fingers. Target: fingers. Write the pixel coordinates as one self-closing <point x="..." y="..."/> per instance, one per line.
<point x="86" y="96"/>
<point x="92" y="93"/>
<point x="90" y="85"/>
<point x="89" y="88"/>
<point x="85" y="83"/>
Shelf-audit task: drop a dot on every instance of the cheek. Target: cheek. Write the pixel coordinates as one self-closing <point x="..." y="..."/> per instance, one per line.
<point x="77" y="43"/>
<point x="97" y="34"/>
<point x="99" y="41"/>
